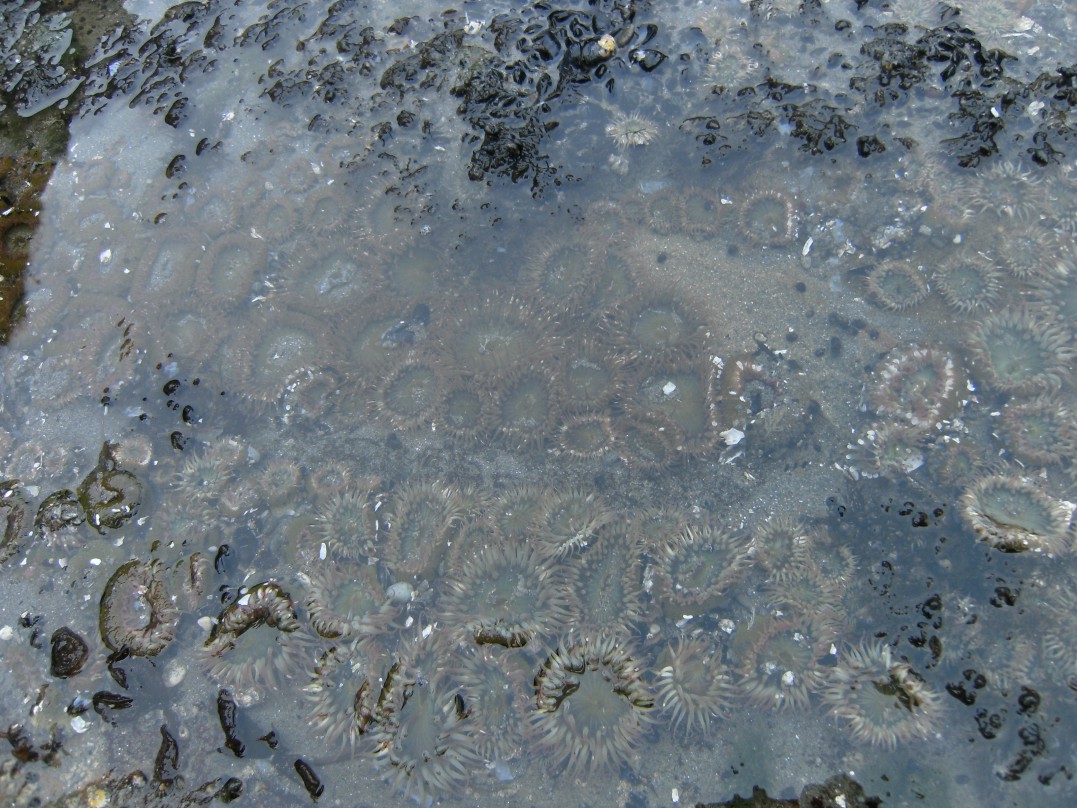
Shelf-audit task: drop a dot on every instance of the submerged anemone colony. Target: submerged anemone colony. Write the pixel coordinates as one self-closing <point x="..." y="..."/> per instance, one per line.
<point x="461" y="503"/>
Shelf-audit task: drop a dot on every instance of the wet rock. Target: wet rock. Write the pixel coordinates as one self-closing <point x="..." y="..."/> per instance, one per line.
<point x="69" y="653"/>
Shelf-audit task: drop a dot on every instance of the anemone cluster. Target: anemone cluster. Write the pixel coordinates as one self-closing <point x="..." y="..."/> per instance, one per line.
<point x="456" y="521"/>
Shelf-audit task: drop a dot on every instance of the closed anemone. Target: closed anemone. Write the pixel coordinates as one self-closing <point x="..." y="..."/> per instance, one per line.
<point x="505" y="596"/>
<point x="137" y="610"/>
<point x="591" y="706"/>
<point x="1012" y="514"/>
<point x="884" y="701"/>
<point x="693" y="684"/>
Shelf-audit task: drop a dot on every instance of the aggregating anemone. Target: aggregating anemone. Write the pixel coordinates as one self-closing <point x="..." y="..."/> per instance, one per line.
<point x="137" y="611"/>
<point x="423" y="735"/>
<point x="257" y="644"/>
<point x="1016" y="351"/>
<point x="780" y="668"/>
<point x="506" y="596"/>
<point x="883" y="700"/>
<point x="1013" y="514"/>
<point x="591" y="706"/>
<point x="693" y="686"/>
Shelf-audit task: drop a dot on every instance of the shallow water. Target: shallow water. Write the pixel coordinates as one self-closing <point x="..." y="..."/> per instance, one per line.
<point x="764" y="310"/>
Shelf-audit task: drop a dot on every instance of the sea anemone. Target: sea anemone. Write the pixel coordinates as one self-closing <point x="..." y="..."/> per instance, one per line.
<point x="413" y="273"/>
<point x="410" y="394"/>
<point x="702" y="213"/>
<point x="897" y="285"/>
<point x="683" y="393"/>
<point x="343" y="692"/>
<point x="1032" y="252"/>
<point x="279" y="480"/>
<point x="568" y="521"/>
<point x="693" y="685"/>
<point x="783" y="547"/>
<point x="256" y="644"/>
<point x="58" y="520"/>
<point x="505" y="595"/>
<point x="657" y="328"/>
<point x="585" y="437"/>
<point x="769" y="218"/>
<point x="919" y="385"/>
<point x="526" y="408"/>
<point x="346" y="520"/>
<point x="137" y="610"/>
<point x="330" y="279"/>
<point x="1017" y="351"/>
<point x="281" y="344"/>
<point x="589" y="377"/>
<point x="1042" y="431"/>
<point x="887" y="449"/>
<point x="969" y="283"/>
<point x="464" y="414"/>
<point x="885" y="702"/>
<point x="518" y="508"/>
<point x="424" y="734"/>
<point x="629" y="129"/>
<point x="648" y="441"/>
<point x="696" y="569"/>
<point x="1014" y="515"/>
<point x="329" y="210"/>
<point x="663" y="211"/>
<point x="1007" y="190"/>
<point x="495" y="335"/>
<point x="591" y="705"/>
<point x="560" y="270"/>
<point x="346" y="600"/>
<point x="780" y="669"/>
<point x="1059" y="636"/>
<point x="496" y="688"/>
<point x="231" y="267"/>
<point x="608" y="581"/>
<point x="418" y="524"/>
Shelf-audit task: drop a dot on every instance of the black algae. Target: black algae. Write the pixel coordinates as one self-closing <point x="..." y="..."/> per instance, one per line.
<point x="69" y="653"/>
<point x="310" y="780"/>
<point x="104" y="703"/>
<point x="226" y="711"/>
<point x="166" y="766"/>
